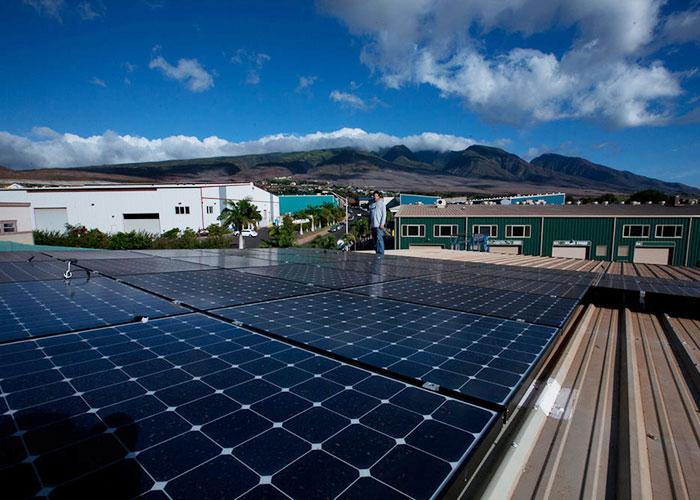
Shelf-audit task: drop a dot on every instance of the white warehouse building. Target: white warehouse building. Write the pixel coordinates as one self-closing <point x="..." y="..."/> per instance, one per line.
<point x="128" y="207"/>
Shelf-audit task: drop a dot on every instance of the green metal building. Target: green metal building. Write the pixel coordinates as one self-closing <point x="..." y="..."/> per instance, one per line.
<point x="654" y="234"/>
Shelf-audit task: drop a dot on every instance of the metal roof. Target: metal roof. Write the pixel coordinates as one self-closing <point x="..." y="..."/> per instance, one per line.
<point x="548" y="211"/>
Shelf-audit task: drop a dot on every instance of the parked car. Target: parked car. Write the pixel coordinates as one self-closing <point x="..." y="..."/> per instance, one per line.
<point x="246" y="233"/>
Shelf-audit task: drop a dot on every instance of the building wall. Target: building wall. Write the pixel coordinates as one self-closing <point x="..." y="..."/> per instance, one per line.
<point x="678" y="244"/>
<point x="104" y="208"/>
<point x="19" y="214"/>
<point x="551" y="199"/>
<point x="411" y="199"/>
<point x="530" y="246"/>
<point x="293" y="203"/>
<point x="429" y="239"/>
<point x="693" y="250"/>
<point x="598" y="231"/>
<point x="594" y="231"/>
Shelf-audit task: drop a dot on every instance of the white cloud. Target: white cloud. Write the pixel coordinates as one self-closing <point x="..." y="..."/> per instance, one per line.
<point x="88" y="12"/>
<point x="187" y="70"/>
<point x="97" y="81"/>
<point x="682" y="27"/>
<point x="51" y="8"/>
<point x="129" y="67"/>
<point x="305" y="82"/>
<point x="253" y="61"/>
<point x="53" y="150"/>
<point x="601" y="76"/>
<point x="348" y="99"/>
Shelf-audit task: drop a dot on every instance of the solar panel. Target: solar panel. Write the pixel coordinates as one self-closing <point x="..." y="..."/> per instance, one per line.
<point x="190" y="406"/>
<point x="377" y="266"/>
<point x="217" y="287"/>
<point x="22" y="256"/>
<point x="483" y="358"/>
<point x="176" y="252"/>
<point x="96" y="254"/>
<point x="118" y="267"/>
<point x="573" y="291"/>
<point x="11" y="272"/>
<point x="327" y="277"/>
<point x="225" y="261"/>
<point x="540" y="309"/>
<point x="39" y="308"/>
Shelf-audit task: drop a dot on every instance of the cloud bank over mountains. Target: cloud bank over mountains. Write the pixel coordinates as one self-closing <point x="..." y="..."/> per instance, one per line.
<point x="49" y="149"/>
<point x="609" y="71"/>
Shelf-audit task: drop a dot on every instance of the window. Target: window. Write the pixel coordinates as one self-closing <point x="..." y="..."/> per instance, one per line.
<point x="601" y="250"/>
<point x="491" y="231"/>
<point x="669" y="231"/>
<point x="9" y="226"/>
<point x="445" y="230"/>
<point x="182" y="210"/>
<point x="413" y="230"/>
<point x="517" y="231"/>
<point x="635" y="231"/>
<point x="210" y="209"/>
<point x="623" y="251"/>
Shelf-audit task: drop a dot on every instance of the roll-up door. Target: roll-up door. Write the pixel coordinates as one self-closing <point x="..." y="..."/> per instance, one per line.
<point x="51" y="219"/>
<point x="148" y="223"/>
<point x="509" y="249"/>
<point x="652" y="255"/>
<point x="570" y="252"/>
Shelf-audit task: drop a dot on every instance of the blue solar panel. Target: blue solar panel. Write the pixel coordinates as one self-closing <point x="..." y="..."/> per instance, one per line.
<point x="194" y="407"/>
<point x="484" y="358"/>
<point x="540" y="309"/>
<point x="218" y="287"/>
<point x="118" y="267"/>
<point x="39" y="308"/>
<point x="327" y="277"/>
<point x="36" y="270"/>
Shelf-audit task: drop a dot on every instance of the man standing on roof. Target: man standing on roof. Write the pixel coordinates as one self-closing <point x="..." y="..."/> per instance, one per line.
<point x="377" y="219"/>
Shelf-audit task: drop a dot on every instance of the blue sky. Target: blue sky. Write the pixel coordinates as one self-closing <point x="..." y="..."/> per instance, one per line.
<point x="98" y="81"/>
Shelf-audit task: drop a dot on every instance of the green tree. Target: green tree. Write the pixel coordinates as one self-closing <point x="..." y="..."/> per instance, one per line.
<point x="360" y="228"/>
<point x="650" y="195"/>
<point x="609" y="197"/>
<point x="325" y="241"/>
<point x="281" y="236"/>
<point x="241" y="215"/>
<point x="131" y="241"/>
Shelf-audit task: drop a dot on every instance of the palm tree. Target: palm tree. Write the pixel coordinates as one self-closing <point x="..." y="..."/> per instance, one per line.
<point x="241" y="215"/>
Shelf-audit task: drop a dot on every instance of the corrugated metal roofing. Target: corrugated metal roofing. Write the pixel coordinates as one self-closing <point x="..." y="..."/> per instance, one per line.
<point x="616" y="412"/>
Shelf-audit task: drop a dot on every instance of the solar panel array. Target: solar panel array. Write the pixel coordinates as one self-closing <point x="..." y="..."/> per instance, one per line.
<point x="666" y="286"/>
<point x="265" y="373"/>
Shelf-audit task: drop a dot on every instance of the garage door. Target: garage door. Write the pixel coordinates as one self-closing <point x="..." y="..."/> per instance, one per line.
<point x="51" y="219"/>
<point x="570" y="252"/>
<point x="148" y="223"/>
<point x="509" y="249"/>
<point x="652" y="255"/>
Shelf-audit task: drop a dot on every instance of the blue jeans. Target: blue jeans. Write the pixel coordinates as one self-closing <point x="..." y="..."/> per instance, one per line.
<point x="378" y="237"/>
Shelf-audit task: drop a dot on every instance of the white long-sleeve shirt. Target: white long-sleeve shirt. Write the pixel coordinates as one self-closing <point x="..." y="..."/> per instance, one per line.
<point x="377" y="214"/>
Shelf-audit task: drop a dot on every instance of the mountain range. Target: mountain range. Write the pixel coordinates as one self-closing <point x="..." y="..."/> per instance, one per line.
<point x="477" y="169"/>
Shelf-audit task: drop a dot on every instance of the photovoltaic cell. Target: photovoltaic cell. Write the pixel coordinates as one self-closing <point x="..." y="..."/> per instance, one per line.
<point x="119" y="267"/>
<point x="11" y="272"/>
<point x="218" y="287"/>
<point x="95" y="254"/>
<point x="326" y="277"/>
<point x="39" y="308"/>
<point x="568" y="290"/>
<point x="225" y="261"/>
<point x="192" y="406"/>
<point x="23" y="255"/>
<point x="484" y="358"/>
<point x="540" y="309"/>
